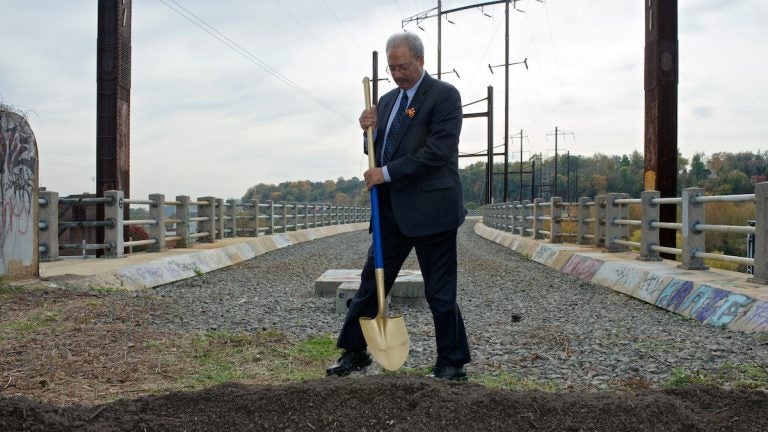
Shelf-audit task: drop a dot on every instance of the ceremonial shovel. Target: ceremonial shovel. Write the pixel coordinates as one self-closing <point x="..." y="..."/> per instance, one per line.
<point x="387" y="338"/>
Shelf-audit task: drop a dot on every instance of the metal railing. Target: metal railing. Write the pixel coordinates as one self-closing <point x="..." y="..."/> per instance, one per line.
<point x="604" y="222"/>
<point x="204" y="220"/>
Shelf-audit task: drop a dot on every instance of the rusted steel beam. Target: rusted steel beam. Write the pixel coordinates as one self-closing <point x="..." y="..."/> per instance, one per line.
<point x="113" y="99"/>
<point x="661" y="78"/>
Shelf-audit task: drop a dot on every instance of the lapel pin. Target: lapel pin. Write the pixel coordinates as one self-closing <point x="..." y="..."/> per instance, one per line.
<point x="410" y="112"/>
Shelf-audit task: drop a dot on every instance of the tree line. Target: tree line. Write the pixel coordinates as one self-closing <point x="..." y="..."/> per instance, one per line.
<point x="720" y="173"/>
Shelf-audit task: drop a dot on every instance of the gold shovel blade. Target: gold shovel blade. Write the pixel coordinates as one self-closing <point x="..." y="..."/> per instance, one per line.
<point x="387" y="340"/>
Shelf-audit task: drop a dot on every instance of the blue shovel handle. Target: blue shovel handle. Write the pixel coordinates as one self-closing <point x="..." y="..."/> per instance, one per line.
<point x="378" y="253"/>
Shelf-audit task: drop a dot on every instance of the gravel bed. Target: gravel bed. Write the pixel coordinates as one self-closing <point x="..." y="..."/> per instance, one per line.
<point x="524" y="320"/>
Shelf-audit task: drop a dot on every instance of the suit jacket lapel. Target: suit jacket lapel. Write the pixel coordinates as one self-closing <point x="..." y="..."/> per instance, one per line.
<point x="415" y="103"/>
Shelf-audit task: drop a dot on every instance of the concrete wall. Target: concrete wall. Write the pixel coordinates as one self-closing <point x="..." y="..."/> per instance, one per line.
<point x="19" y="177"/>
<point x="713" y="296"/>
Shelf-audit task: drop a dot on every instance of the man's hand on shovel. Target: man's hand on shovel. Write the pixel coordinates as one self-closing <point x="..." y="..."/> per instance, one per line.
<point x="373" y="177"/>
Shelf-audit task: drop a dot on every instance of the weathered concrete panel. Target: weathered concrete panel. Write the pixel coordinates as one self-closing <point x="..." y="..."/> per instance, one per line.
<point x="19" y="177"/>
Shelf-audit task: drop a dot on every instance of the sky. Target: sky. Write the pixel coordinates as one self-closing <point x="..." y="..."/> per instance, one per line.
<point x="280" y="100"/>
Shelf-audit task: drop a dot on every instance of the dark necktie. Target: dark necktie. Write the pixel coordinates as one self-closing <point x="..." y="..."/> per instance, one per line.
<point x="389" y="145"/>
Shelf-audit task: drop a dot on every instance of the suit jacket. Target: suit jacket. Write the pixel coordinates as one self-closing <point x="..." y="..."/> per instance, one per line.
<point x="425" y="191"/>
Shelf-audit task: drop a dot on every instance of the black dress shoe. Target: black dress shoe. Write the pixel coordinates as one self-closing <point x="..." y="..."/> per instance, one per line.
<point x="348" y="362"/>
<point x="450" y="373"/>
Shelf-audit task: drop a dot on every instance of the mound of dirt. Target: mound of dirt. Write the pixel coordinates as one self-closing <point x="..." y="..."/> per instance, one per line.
<point x="398" y="403"/>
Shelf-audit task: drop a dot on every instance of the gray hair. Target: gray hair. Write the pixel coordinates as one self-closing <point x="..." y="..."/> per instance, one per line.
<point x="410" y="39"/>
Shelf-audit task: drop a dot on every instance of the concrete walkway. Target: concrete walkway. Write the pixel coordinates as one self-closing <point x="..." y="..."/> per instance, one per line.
<point x="716" y="297"/>
<point x="148" y="269"/>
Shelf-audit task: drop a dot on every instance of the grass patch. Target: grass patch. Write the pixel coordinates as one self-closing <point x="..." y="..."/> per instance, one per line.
<point x="508" y="381"/>
<point x="268" y="356"/>
<point x="33" y="322"/>
<point x="748" y="376"/>
<point x="7" y="289"/>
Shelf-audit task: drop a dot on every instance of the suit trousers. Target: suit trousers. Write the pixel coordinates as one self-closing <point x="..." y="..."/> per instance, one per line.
<point x="437" y="258"/>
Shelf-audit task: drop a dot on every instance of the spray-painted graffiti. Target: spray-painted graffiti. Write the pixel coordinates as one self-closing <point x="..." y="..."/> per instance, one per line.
<point x="582" y="267"/>
<point x="674" y="294"/>
<point x="756" y="318"/>
<point x="18" y="195"/>
<point x="544" y="255"/>
<point x="705" y="303"/>
<point x="650" y="288"/>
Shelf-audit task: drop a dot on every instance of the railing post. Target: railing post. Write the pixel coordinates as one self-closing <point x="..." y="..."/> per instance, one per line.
<point x="182" y="228"/>
<point x="649" y="235"/>
<point x="614" y="231"/>
<point x="513" y="216"/>
<point x="555" y="224"/>
<point x="502" y="216"/>
<point x="537" y="212"/>
<point x="600" y="221"/>
<point x="310" y="214"/>
<point x="208" y="226"/>
<point x="232" y="213"/>
<point x="295" y="214"/>
<point x="113" y="236"/>
<point x="527" y="223"/>
<point x="254" y="219"/>
<point x="492" y="216"/>
<point x="693" y="240"/>
<point x="219" y="221"/>
<point x="49" y="235"/>
<point x="760" y="269"/>
<point x="284" y="215"/>
<point x="157" y="231"/>
<point x="271" y="215"/>
<point x="581" y="233"/>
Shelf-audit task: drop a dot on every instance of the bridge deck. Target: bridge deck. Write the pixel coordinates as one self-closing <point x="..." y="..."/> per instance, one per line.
<point x="714" y="296"/>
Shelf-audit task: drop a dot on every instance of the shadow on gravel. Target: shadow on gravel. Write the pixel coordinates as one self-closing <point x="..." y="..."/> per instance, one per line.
<point x="399" y="403"/>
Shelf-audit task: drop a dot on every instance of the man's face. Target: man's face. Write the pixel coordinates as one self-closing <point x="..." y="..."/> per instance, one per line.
<point x="404" y="67"/>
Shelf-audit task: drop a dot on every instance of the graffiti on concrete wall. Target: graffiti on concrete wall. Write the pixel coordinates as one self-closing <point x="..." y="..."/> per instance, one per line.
<point x="705" y="303"/>
<point x="18" y="196"/>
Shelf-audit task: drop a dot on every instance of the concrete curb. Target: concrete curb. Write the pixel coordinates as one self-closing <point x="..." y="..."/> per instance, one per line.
<point x="147" y="270"/>
<point x="715" y="297"/>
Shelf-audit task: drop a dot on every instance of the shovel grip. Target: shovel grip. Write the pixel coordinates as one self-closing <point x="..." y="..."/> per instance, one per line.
<point x="369" y="131"/>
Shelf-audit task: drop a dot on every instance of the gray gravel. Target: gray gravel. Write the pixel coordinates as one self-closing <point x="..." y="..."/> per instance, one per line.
<point x="526" y="322"/>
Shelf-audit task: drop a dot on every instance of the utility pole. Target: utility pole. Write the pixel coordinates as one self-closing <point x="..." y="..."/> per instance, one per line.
<point x="439" y="12"/>
<point x="489" y="154"/>
<point x="506" y="102"/>
<point x="556" y="134"/>
<point x="661" y="77"/>
<point x="113" y="102"/>
<point x="520" y="170"/>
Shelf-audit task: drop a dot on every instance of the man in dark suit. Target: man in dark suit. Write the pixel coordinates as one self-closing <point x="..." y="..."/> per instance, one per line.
<point x="416" y="141"/>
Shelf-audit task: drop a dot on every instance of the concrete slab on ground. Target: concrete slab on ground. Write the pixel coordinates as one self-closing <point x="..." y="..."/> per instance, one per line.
<point x="408" y="285"/>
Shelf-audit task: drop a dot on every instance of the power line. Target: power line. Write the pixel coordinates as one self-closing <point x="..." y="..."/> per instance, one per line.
<point x="212" y="31"/>
<point x="343" y="27"/>
<point x="312" y="35"/>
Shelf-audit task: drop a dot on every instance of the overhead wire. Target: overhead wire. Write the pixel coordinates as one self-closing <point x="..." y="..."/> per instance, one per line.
<point x="554" y="52"/>
<point x="343" y="27"/>
<point x="243" y="52"/>
<point x="547" y="94"/>
<point x="312" y="35"/>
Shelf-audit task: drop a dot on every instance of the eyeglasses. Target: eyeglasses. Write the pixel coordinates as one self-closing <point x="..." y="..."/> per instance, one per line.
<point x="402" y="68"/>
